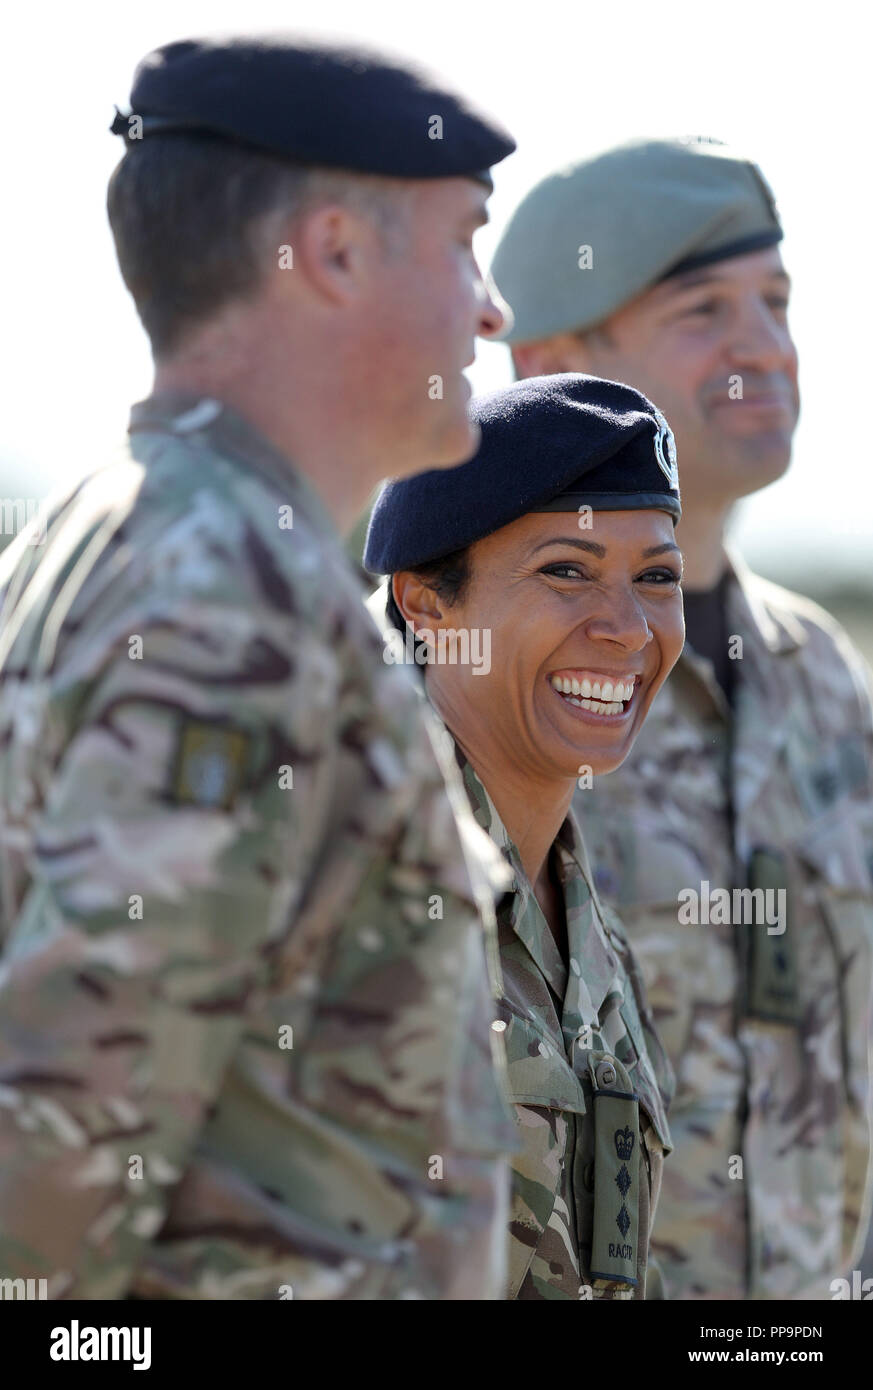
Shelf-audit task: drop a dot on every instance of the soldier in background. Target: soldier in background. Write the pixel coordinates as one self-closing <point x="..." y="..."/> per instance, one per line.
<point x="657" y="263"/>
<point x="244" y="998"/>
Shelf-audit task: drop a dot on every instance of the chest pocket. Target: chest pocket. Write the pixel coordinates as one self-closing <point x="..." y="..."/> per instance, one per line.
<point x="553" y="1172"/>
<point x="835" y="852"/>
<point x="550" y="1102"/>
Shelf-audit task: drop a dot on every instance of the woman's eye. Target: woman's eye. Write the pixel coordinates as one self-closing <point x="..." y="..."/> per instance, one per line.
<point x="653" y="576"/>
<point x="709" y="306"/>
<point x="563" y="571"/>
<point x="665" y="576"/>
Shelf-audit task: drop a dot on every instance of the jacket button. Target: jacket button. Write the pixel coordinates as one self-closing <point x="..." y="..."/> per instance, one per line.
<point x="605" y="1074"/>
<point x="588" y="1177"/>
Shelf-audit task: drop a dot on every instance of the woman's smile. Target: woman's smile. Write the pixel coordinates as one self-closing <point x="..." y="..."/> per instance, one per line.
<point x="606" y="696"/>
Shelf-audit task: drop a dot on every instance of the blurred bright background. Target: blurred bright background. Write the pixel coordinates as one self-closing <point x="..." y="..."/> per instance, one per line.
<point x="790" y="86"/>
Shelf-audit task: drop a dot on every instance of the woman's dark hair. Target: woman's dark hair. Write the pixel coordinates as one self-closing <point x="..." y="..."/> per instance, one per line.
<point x="449" y="577"/>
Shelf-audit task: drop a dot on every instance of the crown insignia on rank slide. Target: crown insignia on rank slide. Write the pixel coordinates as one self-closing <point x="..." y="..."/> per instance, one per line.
<point x="624" y="1143"/>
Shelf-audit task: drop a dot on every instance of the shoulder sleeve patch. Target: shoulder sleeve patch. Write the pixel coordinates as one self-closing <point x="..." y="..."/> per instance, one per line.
<point x="210" y="764"/>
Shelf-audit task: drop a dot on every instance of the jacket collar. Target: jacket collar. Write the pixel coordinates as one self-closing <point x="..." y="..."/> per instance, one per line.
<point x="186" y="414"/>
<point x="753" y="603"/>
<point x="569" y="839"/>
<point x="758" y="614"/>
<point x="523" y="913"/>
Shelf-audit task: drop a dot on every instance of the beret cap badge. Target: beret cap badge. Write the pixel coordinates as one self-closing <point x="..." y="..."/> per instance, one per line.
<point x="665" y="451"/>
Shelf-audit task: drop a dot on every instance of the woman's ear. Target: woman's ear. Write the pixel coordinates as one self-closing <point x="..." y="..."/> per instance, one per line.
<point x="418" y="604"/>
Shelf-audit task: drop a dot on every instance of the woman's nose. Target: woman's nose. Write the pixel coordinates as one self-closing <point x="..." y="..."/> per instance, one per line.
<point x="621" y="620"/>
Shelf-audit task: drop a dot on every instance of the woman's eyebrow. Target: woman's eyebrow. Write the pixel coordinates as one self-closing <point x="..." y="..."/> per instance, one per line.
<point x="661" y="549"/>
<point x="591" y="546"/>
<point x="600" y="550"/>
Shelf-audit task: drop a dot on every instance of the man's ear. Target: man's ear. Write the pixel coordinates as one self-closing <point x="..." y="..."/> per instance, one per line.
<point x="548" y="356"/>
<point x="418" y="604"/>
<point x="334" y="248"/>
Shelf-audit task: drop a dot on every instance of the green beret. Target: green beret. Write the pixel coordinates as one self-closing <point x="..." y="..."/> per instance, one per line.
<point x="593" y="235"/>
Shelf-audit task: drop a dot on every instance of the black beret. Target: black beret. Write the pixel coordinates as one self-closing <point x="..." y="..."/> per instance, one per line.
<point x="548" y="444"/>
<point x="333" y="105"/>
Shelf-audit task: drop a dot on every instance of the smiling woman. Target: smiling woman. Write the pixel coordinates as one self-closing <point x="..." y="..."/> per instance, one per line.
<point x="582" y="636"/>
<point x="557" y="540"/>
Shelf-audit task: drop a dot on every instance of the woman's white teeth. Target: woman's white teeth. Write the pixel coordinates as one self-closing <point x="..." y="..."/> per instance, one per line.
<point x="602" y="697"/>
<point x="607" y="692"/>
<point x="598" y="706"/>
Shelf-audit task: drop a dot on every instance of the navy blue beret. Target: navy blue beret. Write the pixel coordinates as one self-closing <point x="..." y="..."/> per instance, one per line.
<point x="316" y="102"/>
<point x="548" y="444"/>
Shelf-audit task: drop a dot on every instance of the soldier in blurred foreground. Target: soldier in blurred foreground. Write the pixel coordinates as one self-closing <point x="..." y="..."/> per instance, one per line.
<point x="245" y="1044"/>
<point x="657" y="264"/>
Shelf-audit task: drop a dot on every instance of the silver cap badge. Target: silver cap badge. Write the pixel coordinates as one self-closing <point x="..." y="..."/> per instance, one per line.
<point x="665" y="451"/>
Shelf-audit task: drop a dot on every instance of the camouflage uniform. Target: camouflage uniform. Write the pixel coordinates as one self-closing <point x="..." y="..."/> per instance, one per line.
<point x="244" y="1001"/>
<point x="768" y="1034"/>
<point x="587" y="1178"/>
